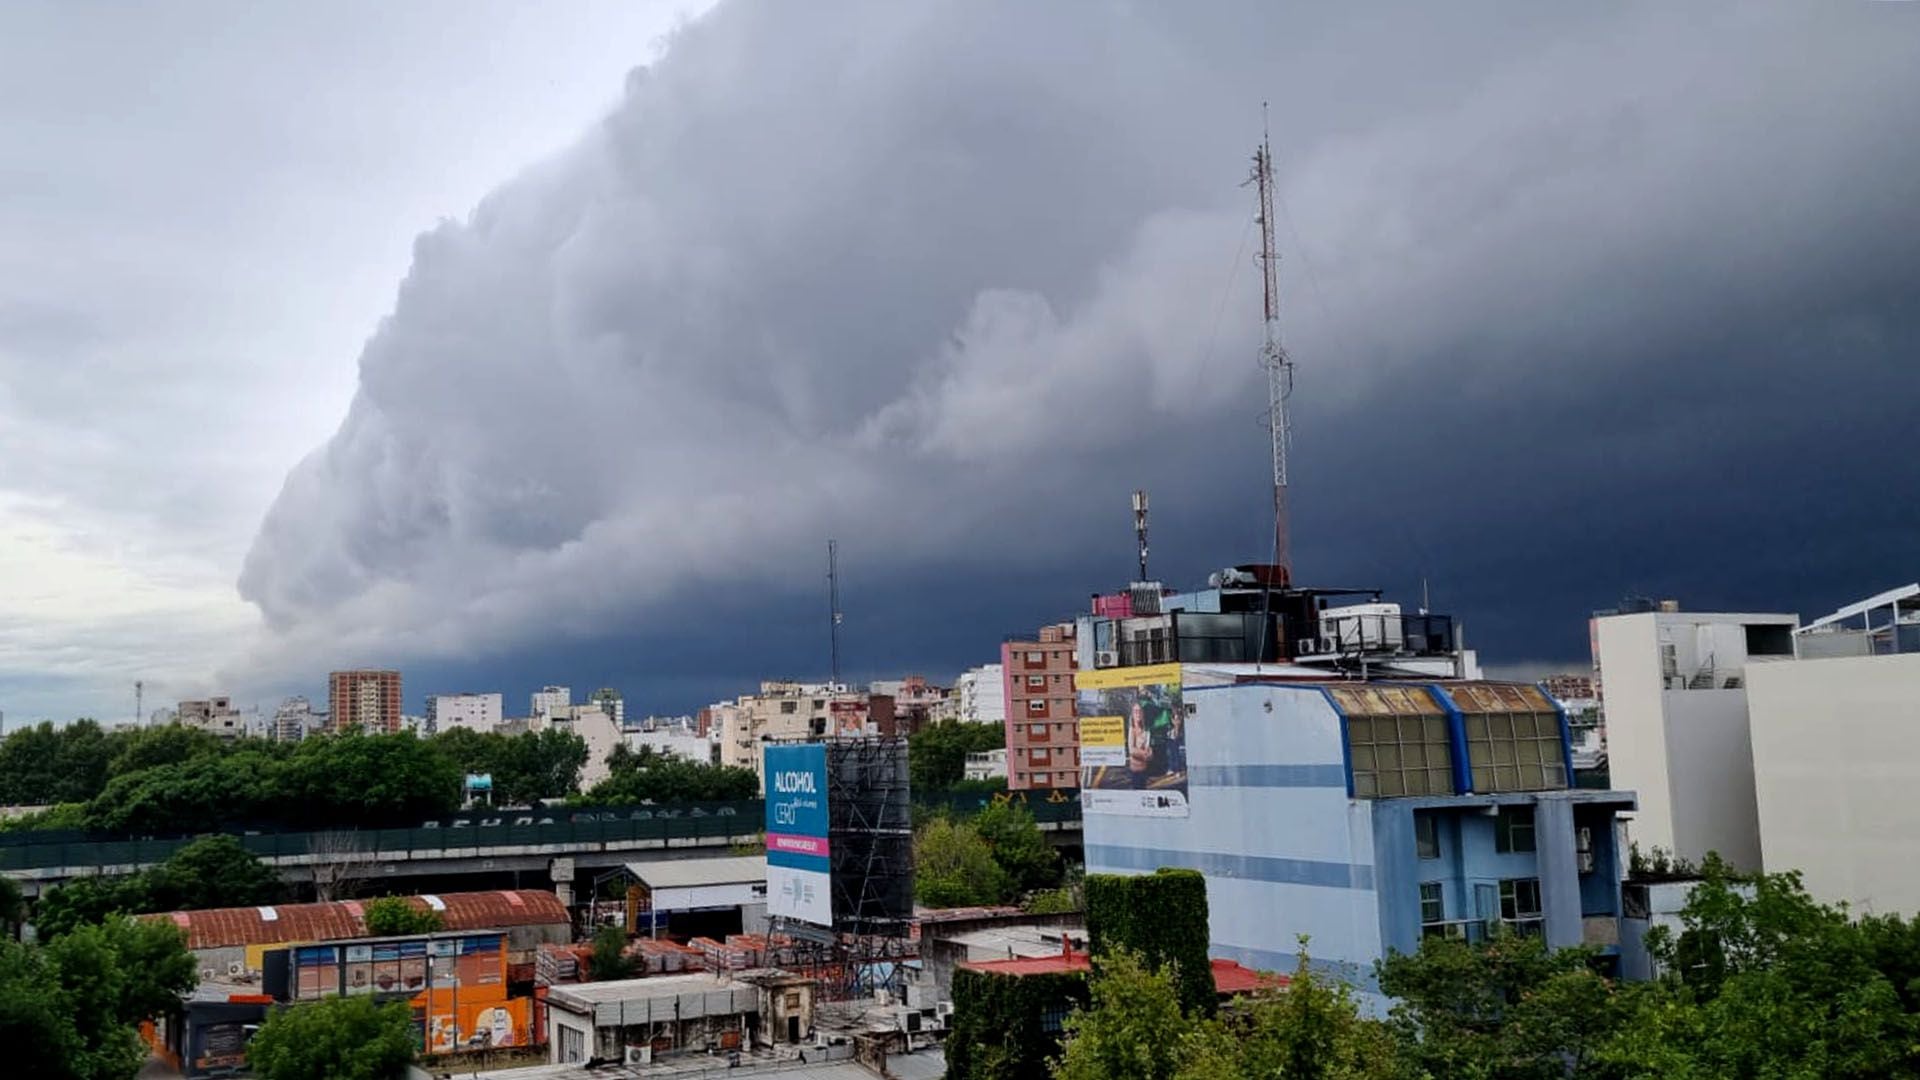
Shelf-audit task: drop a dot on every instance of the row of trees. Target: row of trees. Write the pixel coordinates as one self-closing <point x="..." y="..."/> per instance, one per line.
<point x="1762" y="982"/>
<point x="646" y="775"/>
<point x="994" y="857"/>
<point x="937" y="753"/>
<point x="213" y="871"/>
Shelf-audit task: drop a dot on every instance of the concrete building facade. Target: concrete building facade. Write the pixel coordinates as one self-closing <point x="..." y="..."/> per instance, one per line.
<point x="1675" y="692"/>
<point x="549" y="700"/>
<point x="364" y="699"/>
<point x="475" y="712"/>
<point x="215" y="715"/>
<point x="980" y="695"/>
<point x="1369" y="815"/>
<point x="1043" y="734"/>
<point x="1836" y="752"/>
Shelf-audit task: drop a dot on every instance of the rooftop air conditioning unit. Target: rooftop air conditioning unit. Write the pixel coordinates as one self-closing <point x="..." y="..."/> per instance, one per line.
<point x="236" y="968"/>
<point x="640" y="1055"/>
<point x="1106" y="658"/>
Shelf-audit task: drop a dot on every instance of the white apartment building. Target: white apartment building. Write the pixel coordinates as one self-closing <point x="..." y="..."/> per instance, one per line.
<point x="595" y="725"/>
<point x="610" y="700"/>
<point x="216" y="716"/>
<point x="1675" y="690"/>
<point x="982" y="695"/>
<point x="549" y="700"/>
<point x="781" y="712"/>
<point x="986" y="764"/>
<point x="475" y="712"/>
<point x="295" y="720"/>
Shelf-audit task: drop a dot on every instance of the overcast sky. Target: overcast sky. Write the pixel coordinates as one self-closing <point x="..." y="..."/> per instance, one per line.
<point x="507" y="349"/>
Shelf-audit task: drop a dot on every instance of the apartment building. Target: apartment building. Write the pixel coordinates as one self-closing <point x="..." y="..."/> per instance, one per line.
<point x="365" y="699"/>
<point x="1043" y="736"/>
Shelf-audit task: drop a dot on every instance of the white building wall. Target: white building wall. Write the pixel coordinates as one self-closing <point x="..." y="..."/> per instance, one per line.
<point x="1836" y="758"/>
<point x="983" y="695"/>
<point x="475" y="712"/>
<point x="1259" y="756"/>
<point x="550" y="700"/>
<point x="1677" y="733"/>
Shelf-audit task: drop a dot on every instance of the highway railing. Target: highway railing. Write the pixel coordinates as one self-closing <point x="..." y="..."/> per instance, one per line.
<point x="560" y="827"/>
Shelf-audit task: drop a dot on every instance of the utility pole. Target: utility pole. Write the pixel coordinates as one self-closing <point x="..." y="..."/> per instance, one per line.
<point x="1273" y="356"/>
<point x="833" y="608"/>
<point x="139" y="703"/>
<point x="1140" y="529"/>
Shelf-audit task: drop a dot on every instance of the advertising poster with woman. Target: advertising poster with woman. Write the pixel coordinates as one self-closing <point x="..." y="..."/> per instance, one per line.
<point x="1133" y="746"/>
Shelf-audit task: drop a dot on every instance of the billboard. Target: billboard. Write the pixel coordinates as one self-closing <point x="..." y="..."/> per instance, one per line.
<point x="798" y="858"/>
<point x="1133" y="741"/>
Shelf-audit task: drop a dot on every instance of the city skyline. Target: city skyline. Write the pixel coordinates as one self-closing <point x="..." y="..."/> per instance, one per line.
<point x="1580" y="307"/>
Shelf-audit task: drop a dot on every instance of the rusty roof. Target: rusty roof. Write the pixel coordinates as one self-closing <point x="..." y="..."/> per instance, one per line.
<point x="275" y="924"/>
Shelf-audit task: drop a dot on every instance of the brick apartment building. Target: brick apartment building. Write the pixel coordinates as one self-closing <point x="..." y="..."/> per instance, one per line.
<point x="368" y="700"/>
<point x="1043" y="736"/>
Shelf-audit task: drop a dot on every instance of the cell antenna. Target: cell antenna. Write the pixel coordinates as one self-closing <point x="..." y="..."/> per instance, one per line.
<point x="1273" y="356"/>
<point x="1140" y="529"/>
<point x="833" y="609"/>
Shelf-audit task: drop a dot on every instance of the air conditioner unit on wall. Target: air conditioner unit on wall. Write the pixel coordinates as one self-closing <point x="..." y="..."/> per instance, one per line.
<point x="1106" y="658"/>
<point x="640" y="1055"/>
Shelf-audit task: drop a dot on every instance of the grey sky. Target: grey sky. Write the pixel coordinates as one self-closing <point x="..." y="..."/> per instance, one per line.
<point x="945" y="279"/>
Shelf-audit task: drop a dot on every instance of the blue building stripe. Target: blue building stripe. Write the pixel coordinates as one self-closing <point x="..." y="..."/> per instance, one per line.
<point x="1328" y="875"/>
<point x="1268" y="776"/>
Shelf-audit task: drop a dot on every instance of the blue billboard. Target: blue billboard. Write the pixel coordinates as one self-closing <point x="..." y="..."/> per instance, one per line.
<point x="799" y="860"/>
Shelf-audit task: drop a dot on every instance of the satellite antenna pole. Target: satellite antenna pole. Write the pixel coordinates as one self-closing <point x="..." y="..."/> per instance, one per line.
<point x="1140" y="528"/>
<point x="833" y="608"/>
<point x="1273" y="356"/>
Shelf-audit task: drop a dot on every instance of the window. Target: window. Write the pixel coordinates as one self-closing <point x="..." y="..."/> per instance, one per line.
<point x="1513" y="738"/>
<point x="1520" y="903"/>
<point x="1433" y="907"/>
<point x="1036" y="682"/>
<point x="1397" y="741"/>
<point x="1513" y="829"/>
<point x="1036" y="705"/>
<point x="1036" y="658"/>
<point x="1426" y="836"/>
<point x="1040" y="756"/>
<point x="789" y="707"/>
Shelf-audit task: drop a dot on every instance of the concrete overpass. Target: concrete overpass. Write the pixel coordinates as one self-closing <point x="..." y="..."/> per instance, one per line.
<point x="561" y="844"/>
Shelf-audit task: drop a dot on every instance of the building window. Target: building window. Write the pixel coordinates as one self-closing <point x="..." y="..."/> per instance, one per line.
<point x="1513" y="738"/>
<point x="789" y="707"/>
<point x="1426" y="836"/>
<point x="1513" y="830"/>
<point x="1037" y="681"/>
<point x="1433" y="908"/>
<point x="1397" y="740"/>
<point x="1036" y="705"/>
<point x="1520" y="904"/>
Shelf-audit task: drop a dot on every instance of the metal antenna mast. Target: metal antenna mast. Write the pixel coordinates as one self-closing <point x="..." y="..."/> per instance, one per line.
<point x="1140" y="529"/>
<point x="833" y="606"/>
<point x="139" y="702"/>
<point x="1273" y="356"/>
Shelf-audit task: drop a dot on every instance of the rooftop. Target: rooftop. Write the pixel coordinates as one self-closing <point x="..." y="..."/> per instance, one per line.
<point x="690" y="873"/>
<point x="274" y="924"/>
<point x="654" y="986"/>
<point x="1229" y="977"/>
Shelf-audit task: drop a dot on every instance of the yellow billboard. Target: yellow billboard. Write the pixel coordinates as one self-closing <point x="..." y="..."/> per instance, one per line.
<point x="1133" y="751"/>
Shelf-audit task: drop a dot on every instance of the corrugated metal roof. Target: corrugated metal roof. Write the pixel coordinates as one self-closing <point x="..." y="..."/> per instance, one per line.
<point x="688" y="873"/>
<point x="218" y="928"/>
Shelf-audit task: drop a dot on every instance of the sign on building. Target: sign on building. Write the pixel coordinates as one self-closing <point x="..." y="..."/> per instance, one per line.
<point x="1133" y="744"/>
<point x="798" y="863"/>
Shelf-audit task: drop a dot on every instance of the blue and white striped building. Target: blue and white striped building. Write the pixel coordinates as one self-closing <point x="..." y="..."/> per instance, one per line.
<point x="1364" y="815"/>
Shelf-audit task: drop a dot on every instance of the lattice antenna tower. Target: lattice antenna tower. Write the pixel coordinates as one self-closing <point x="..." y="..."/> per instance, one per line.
<point x="833" y="610"/>
<point x="1273" y="356"/>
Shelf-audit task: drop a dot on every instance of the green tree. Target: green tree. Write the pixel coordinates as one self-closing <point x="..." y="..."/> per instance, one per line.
<point x="1018" y="845"/>
<point x="1135" y="1030"/>
<point x="111" y="976"/>
<point x="649" y="777"/>
<point x="168" y="744"/>
<point x="89" y="900"/>
<point x="13" y="907"/>
<point x="342" y="1038"/>
<point x="937" y="753"/>
<point x="539" y="765"/>
<point x="1507" y="1009"/>
<point x="954" y="867"/>
<point x="393" y="916"/>
<point x="609" y="958"/>
<point x="1160" y="917"/>
<point x="213" y="871"/>
<point x="36" y="1027"/>
<point x="1311" y="1031"/>
<point x="370" y="780"/>
<point x="44" y="764"/>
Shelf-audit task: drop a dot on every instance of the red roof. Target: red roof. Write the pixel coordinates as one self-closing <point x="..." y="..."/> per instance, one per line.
<point x="275" y="924"/>
<point x="1229" y="977"/>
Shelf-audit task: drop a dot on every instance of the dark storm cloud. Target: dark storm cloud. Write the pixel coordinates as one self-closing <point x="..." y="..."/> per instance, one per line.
<point x="1581" y="302"/>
